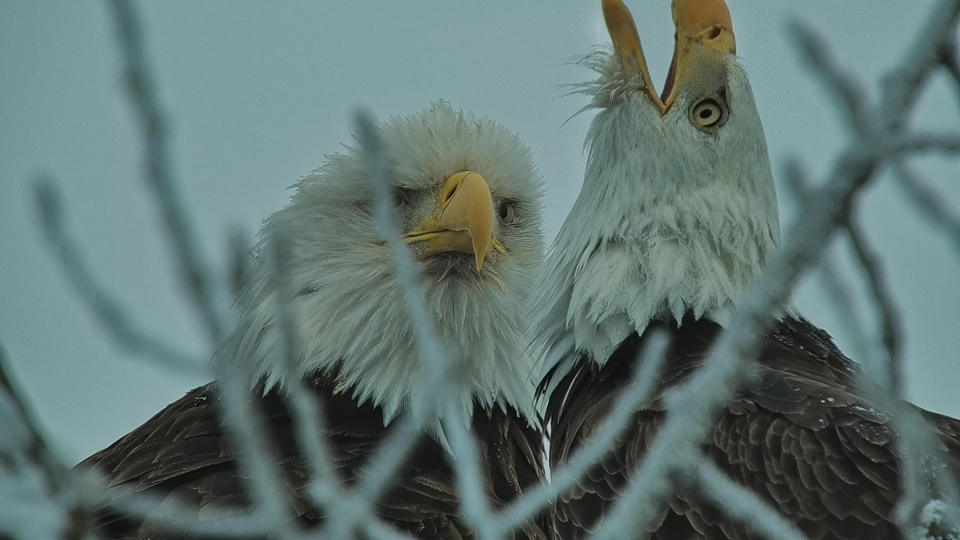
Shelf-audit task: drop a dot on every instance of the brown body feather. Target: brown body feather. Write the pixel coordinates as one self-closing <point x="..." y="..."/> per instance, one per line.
<point x="183" y="453"/>
<point x="802" y="437"/>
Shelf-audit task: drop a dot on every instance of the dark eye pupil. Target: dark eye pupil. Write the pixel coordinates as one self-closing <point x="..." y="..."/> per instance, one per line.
<point x="504" y="211"/>
<point x="706" y="113"/>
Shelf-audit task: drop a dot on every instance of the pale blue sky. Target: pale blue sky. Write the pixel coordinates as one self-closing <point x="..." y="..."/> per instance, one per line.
<point x="258" y="92"/>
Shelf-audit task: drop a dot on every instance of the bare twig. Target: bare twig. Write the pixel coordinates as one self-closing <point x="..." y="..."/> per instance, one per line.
<point x="642" y="384"/>
<point x="843" y="86"/>
<point x="932" y="206"/>
<point x="950" y="58"/>
<point x="106" y="310"/>
<point x="922" y="467"/>
<point x="890" y="325"/>
<point x="194" y="276"/>
<point x="902" y="85"/>
<point x="884" y="373"/>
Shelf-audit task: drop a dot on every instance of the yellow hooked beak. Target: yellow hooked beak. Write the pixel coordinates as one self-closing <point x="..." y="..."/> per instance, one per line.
<point x="464" y="221"/>
<point x="704" y="33"/>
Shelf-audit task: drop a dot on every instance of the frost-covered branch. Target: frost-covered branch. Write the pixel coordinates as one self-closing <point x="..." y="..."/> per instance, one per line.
<point x="641" y="386"/>
<point x="39" y="498"/>
<point x="741" y="504"/>
<point x="407" y="430"/>
<point x="159" y="175"/>
<point x="106" y="310"/>
<point x="309" y="422"/>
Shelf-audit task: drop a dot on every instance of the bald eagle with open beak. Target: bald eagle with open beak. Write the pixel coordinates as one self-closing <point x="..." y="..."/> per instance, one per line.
<point x="675" y="220"/>
<point x="468" y="199"/>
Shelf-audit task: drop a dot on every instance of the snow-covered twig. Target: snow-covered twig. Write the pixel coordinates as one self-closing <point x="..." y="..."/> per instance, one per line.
<point x="407" y="429"/>
<point x="741" y="504"/>
<point x="474" y="502"/>
<point x="159" y="175"/>
<point x="693" y="408"/>
<point x="266" y="487"/>
<point x="642" y="384"/>
<point x="39" y="498"/>
<point x="309" y="422"/>
<point x="171" y="516"/>
<point x="106" y="310"/>
<point x="918" y="446"/>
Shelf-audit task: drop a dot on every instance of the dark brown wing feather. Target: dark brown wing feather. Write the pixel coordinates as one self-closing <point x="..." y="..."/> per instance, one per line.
<point x="801" y="437"/>
<point x="183" y="453"/>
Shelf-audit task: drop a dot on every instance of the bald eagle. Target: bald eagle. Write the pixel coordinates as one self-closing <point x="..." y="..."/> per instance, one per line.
<point x="468" y="200"/>
<point x="675" y="219"/>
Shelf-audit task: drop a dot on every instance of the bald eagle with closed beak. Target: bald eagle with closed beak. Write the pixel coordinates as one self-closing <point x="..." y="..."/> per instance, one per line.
<point x="675" y="220"/>
<point x="468" y="199"/>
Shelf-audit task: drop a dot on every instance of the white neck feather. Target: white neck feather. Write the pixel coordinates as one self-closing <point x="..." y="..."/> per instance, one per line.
<point x="668" y="221"/>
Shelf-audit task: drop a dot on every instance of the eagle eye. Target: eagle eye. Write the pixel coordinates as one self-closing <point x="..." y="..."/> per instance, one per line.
<point x="507" y="211"/>
<point x="401" y="197"/>
<point x="706" y="113"/>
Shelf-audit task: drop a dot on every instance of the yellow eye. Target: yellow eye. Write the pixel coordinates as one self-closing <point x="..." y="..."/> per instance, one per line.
<point x="706" y="113"/>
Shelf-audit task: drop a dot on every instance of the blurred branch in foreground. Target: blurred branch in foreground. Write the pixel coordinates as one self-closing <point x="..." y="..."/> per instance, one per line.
<point x="159" y="171"/>
<point x="111" y="315"/>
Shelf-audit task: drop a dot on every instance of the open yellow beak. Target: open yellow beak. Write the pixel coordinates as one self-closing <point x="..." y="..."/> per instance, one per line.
<point x="702" y="25"/>
<point x="464" y="221"/>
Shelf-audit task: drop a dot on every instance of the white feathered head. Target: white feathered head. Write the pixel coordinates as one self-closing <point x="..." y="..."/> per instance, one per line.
<point x="678" y="211"/>
<point x="468" y="200"/>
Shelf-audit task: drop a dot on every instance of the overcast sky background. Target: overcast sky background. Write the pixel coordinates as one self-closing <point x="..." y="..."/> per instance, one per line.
<point x="257" y="93"/>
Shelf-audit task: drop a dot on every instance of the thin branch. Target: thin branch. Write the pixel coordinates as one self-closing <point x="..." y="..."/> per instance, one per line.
<point x="309" y="420"/>
<point x="159" y="176"/>
<point x="642" y="384"/>
<point x="932" y="205"/>
<point x="111" y="315"/>
<point x="842" y="85"/>
<point x="406" y="430"/>
<point x="266" y="486"/>
<point x="950" y="59"/>
<point x="243" y="421"/>
<point x="378" y="531"/>
<point x="885" y="373"/>
<point x="890" y="321"/>
<point x="172" y="516"/>
<point x="917" y="445"/>
<point x="741" y="504"/>
<point x="38" y="495"/>
<point x="474" y="502"/>
<point x="357" y="507"/>
<point x="902" y="85"/>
